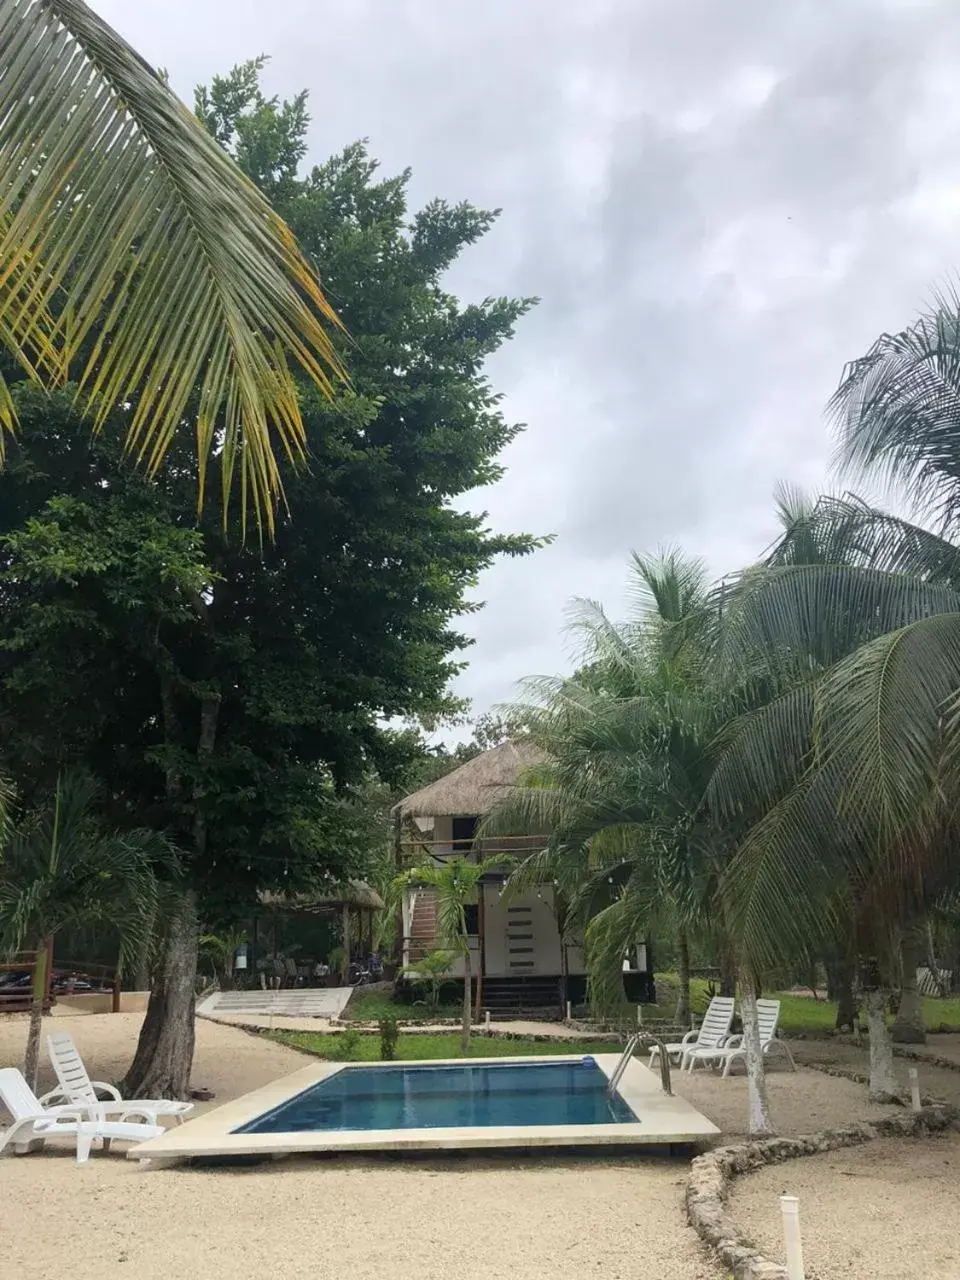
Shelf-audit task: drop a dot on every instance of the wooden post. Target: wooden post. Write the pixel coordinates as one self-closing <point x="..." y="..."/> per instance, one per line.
<point x="116" y="992"/>
<point x="346" y="942"/>
<point x="48" y="977"/>
<point x="398" y="862"/>
<point x="482" y="956"/>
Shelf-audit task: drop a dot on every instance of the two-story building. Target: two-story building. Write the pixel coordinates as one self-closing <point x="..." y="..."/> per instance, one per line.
<point x="526" y="965"/>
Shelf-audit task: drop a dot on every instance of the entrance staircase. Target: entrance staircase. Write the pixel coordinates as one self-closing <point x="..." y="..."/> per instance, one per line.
<point x="536" y="999"/>
<point x="423" y="925"/>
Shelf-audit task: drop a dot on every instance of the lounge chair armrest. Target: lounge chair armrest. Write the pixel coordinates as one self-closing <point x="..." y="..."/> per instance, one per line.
<point x="733" y="1042"/>
<point x="112" y="1092"/>
<point x="54" y="1098"/>
<point x="690" y="1037"/>
<point x="80" y="1111"/>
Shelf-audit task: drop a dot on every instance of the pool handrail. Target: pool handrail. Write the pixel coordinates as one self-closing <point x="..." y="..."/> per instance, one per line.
<point x="632" y="1045"/>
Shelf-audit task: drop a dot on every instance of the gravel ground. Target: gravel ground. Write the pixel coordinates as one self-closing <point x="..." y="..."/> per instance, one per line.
<point x="512" y="1216"/>
<point x="884" y="1211"/>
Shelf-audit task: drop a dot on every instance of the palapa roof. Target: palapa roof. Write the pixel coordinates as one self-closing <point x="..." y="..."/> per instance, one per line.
<point x="356" y="893"/>
<point x="475" y="787"/>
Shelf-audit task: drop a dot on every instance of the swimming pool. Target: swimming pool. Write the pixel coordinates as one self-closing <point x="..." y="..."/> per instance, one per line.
<point x="451" y="1096"/>
<point x="550" y="1101"/>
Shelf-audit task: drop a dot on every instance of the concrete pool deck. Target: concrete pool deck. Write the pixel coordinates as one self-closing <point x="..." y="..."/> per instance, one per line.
<point x="664" y="1121"/>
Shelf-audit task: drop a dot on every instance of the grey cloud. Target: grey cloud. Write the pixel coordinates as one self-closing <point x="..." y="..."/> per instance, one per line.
<point x="718" y="203"/>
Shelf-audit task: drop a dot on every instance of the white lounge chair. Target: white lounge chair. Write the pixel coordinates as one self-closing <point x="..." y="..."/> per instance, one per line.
<point x="86" y="1122"/>
<point x="77" y="1089"/>
<point x="768" y="1015"/>
<point x="713" y="1031"/>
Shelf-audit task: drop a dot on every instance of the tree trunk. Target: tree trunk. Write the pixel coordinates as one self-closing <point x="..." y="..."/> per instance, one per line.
<point x="942" y="984"/>
<point x="161" y="1067"/>
<point x="31" y="1058"/>
<point x="728" y="970"/>
<point x="467" y="1023"/>
<point x="908" y="1027"/>
<point x="884" y="1086"/>
<point x="842" y="972"/>
<point x="682" y="1015"/>
<point x="761" y="1126"/>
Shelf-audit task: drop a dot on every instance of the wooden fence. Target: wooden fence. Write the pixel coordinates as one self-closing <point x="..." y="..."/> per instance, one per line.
<point x="62" y="979"/>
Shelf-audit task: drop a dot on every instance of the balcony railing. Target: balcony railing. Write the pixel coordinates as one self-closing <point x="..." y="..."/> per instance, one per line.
<point x="415" y="849"/>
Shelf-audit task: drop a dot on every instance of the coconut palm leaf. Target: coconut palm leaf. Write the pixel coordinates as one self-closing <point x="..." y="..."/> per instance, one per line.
<point x="847" y="530"/>
<point x="818" y="613"/>
<point x="136" y="256"/>
<point x="898" y="411"/>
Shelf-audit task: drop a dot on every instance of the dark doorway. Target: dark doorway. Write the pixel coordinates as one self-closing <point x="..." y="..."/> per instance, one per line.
<point x="464" y="830"/>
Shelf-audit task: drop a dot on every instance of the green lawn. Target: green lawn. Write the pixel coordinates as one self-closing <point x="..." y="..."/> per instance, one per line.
<point x="800" y="1015"/>
<point x="366" y="1048"/>
<point x="374" y="1005"/>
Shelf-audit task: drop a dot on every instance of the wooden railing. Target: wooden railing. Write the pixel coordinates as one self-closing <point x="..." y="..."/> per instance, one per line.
<point x="61" y="980"/>
<point x="413" y="849"/>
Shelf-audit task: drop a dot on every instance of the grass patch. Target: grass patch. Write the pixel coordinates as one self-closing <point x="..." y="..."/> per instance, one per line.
<point x="373" y="1005"/>
<point x="421" y="1048"/>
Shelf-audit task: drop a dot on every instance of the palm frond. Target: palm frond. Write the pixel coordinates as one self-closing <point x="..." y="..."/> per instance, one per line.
<point x="163" y="267"/>
<point x="881" y="719"/>
<point x="819" y="611"/>
<point x="898" y="411"/>
<point x="761" y="754"/>
<point x="846" y="530"/>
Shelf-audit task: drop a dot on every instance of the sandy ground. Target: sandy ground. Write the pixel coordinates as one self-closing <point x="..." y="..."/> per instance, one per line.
<point x="885" y="1211"/>
<point x="941" y="1083"/>
<point x="514" y="1216"/>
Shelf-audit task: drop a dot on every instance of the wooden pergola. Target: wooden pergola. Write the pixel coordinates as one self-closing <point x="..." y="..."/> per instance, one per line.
<point x="356" y="900"/>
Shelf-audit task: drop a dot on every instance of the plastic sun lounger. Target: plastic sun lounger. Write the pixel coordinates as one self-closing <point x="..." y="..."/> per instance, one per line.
<point x="86" y="1123"/>
<point x="712" y="1032"/>
<point x="77" y="1089"/>
<point x="768" y="1015"/>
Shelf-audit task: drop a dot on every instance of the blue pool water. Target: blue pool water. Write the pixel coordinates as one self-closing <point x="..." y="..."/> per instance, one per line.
<point x="427" y="1097"/>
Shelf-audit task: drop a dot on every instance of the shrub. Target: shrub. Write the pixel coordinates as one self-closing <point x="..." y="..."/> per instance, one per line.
<point x="389" y="1032"/>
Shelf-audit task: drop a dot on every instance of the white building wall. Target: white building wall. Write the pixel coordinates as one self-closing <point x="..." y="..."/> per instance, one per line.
<point x="521" y="936"/>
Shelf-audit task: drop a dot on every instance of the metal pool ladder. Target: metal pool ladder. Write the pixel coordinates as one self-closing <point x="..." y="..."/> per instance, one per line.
<point x="633" y="1044"/>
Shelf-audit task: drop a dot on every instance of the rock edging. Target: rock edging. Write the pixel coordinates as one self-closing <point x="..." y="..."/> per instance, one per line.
<point x="712" y="1174"/>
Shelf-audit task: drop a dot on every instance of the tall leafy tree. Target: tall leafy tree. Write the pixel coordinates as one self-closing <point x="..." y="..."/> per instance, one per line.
<point x="137" y="257"/>
<point x="236" y="696"/>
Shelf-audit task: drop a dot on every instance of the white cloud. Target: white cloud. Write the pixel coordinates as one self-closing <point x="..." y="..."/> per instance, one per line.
<point x="719" y="205"/>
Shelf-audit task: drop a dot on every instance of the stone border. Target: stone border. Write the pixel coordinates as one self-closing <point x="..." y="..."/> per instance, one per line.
<point x="931" y="1059"/>
<point x="860" y="1077"/>
<point x="712" y="1174"/>
<point x="335" y="1029"/>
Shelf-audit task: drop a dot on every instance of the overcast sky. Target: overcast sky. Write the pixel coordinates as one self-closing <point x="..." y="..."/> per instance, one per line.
<point x="718" y="201"/>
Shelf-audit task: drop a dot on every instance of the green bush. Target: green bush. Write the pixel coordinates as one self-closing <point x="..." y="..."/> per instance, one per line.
<point x="389" y="1034"/>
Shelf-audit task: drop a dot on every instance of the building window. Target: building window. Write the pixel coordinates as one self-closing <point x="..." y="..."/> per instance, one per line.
<point x="464" y="829"/>
<point x="472" y="917"/>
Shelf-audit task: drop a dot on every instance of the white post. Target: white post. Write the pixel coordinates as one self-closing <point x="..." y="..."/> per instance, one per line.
<point x="569" y="1011"/>
<point x="486" y="1017"/>
<point x="639" y="1015"/>
<point x="914" y="1088"/>
<point x="790" y="1208"/>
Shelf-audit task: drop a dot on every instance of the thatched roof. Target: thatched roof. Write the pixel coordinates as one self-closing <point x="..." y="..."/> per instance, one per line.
<point x="356" y="893"/>
<point x="476" y="786"/>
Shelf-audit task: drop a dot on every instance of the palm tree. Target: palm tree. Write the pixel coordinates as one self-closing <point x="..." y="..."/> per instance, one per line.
<point x="59" y="871"/>
<point x="456" y="883"/>
<point x="136" y="257"/>
<point x="628" y="743"/>
<point x="851" y="767"/>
